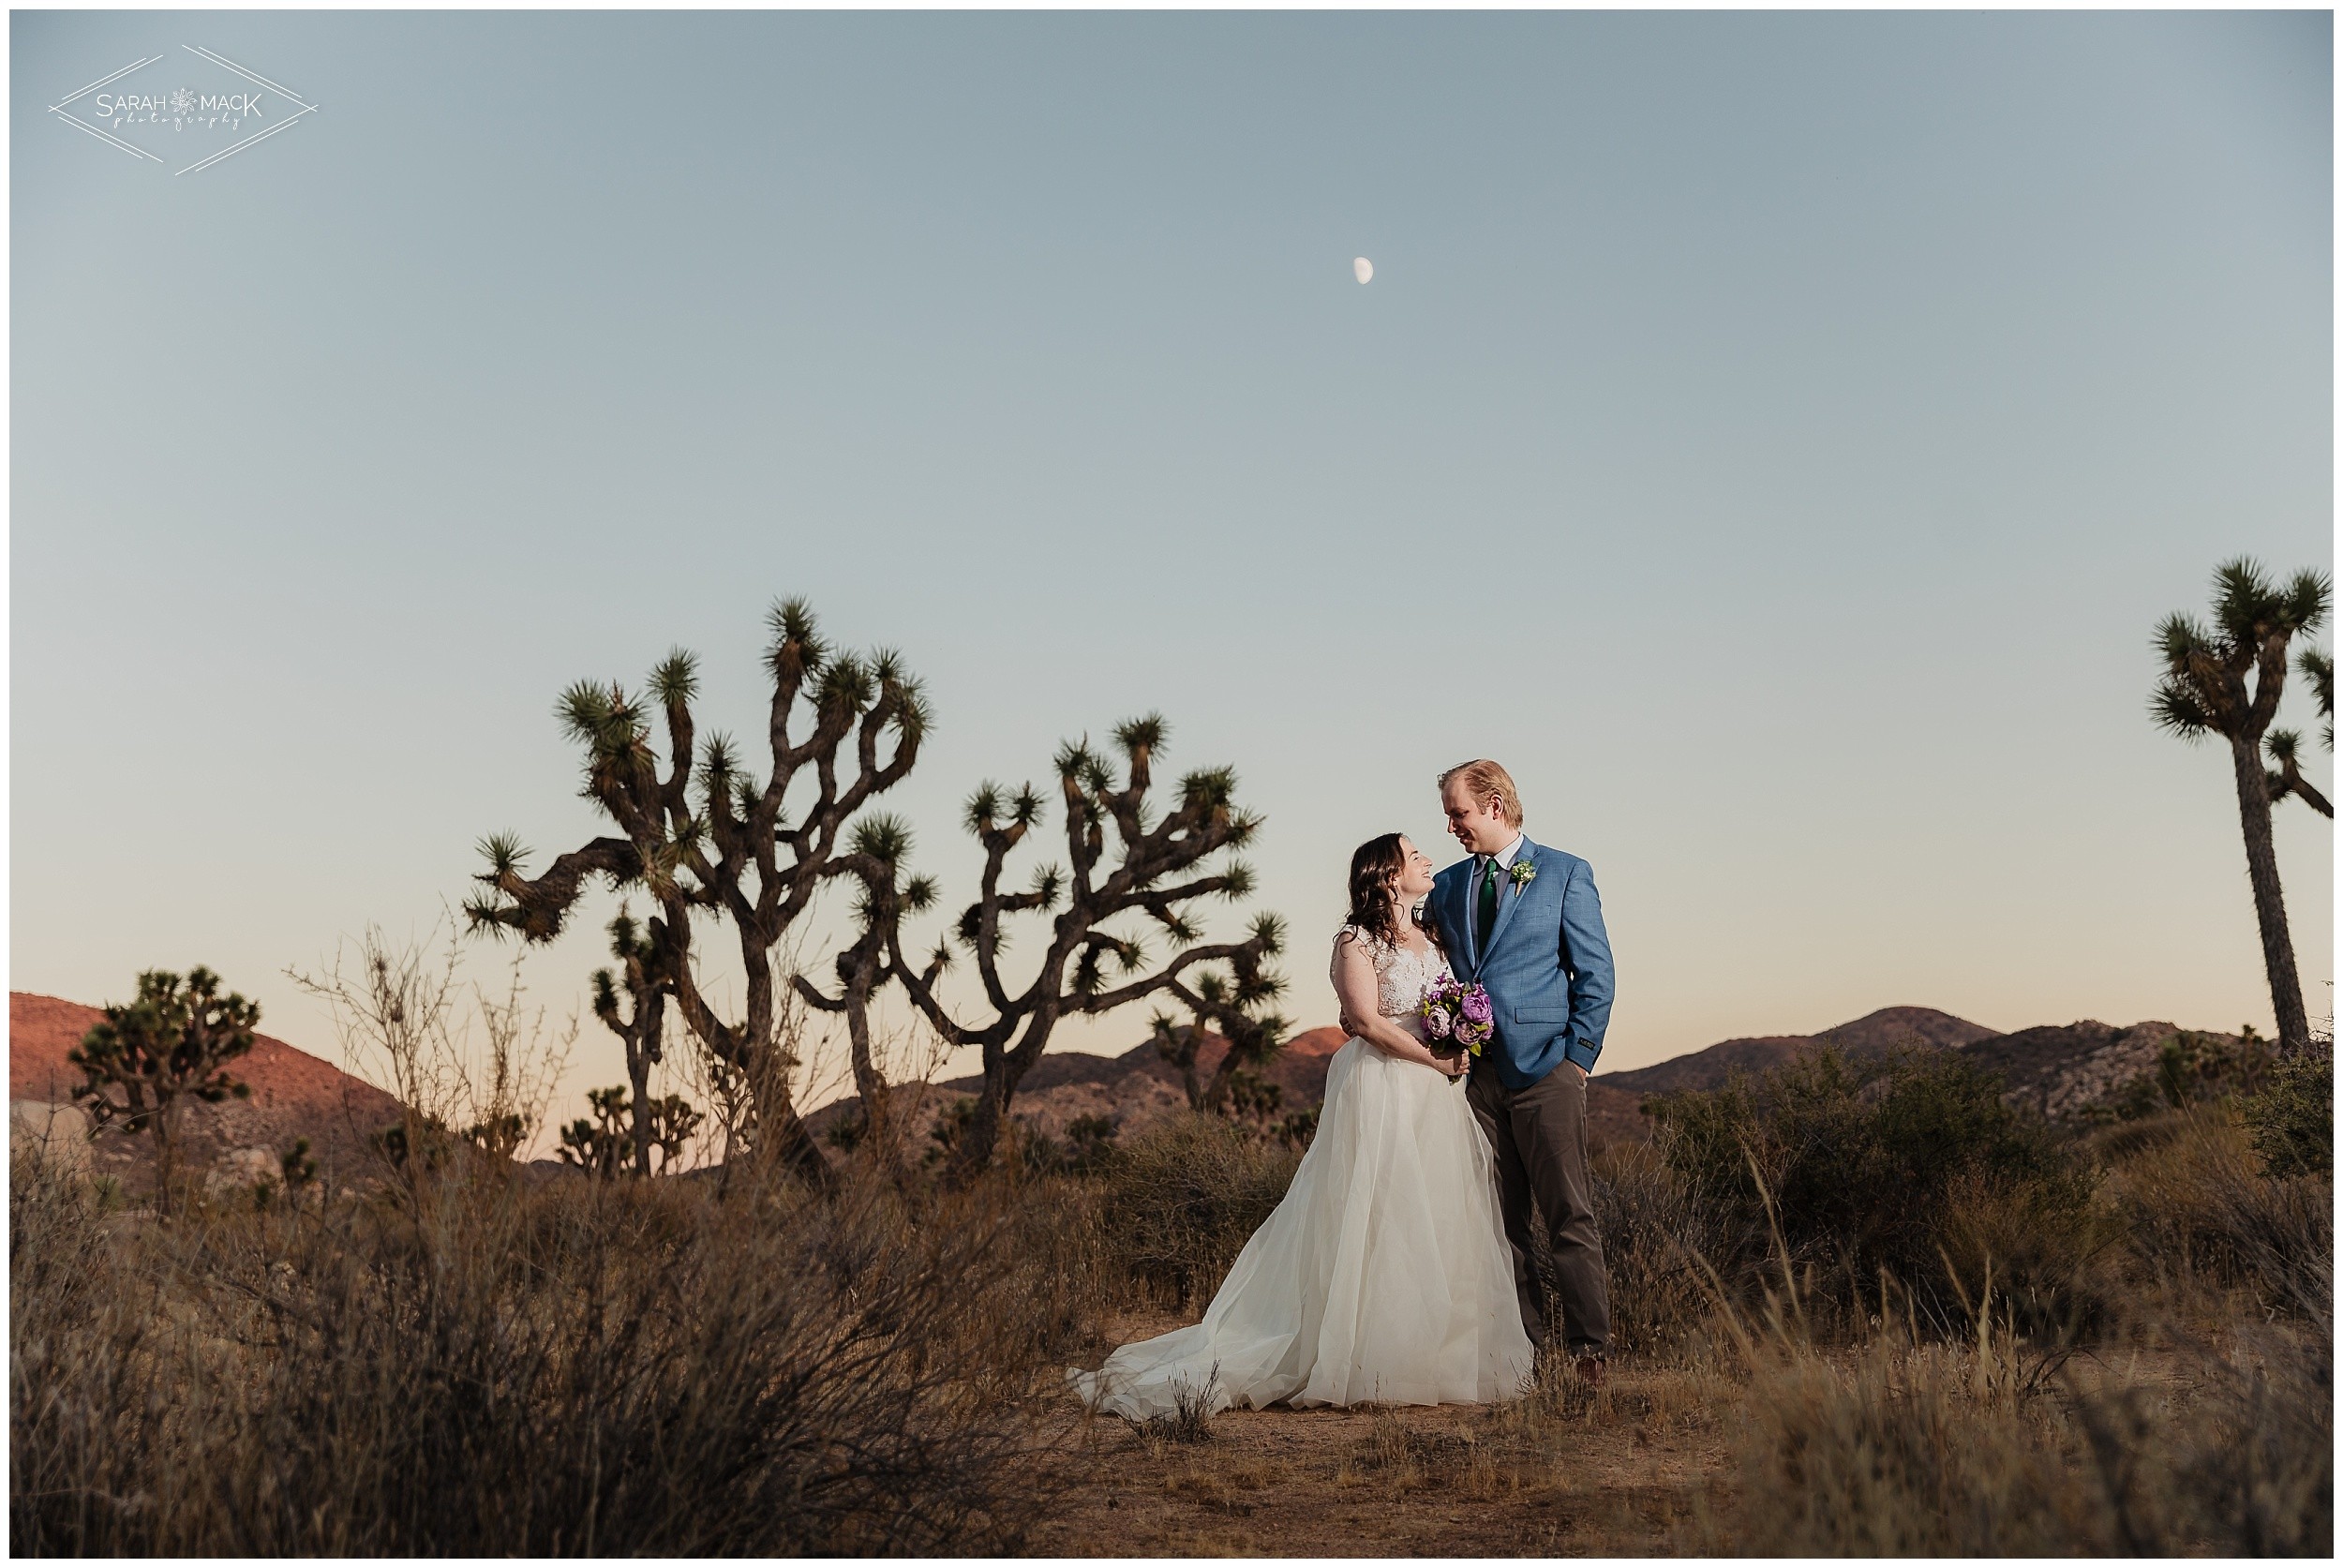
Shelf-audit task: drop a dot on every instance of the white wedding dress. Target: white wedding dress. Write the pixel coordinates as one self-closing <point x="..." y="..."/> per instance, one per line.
<point x="1383" y="1277"/>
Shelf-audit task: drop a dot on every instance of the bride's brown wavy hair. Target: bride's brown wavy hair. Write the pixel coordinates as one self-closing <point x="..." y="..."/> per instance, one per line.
<point x="1375" y="867"/>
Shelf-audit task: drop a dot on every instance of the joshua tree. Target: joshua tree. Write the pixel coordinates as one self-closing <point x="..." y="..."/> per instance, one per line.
<point x="672" y="1121"/>
<point x="597" y="1145"/>
<point x="174" y="1043"/>
<point x="721" y="841"/>
<point x="877" y="851"/>
<point x="1137" y="875"/>
<point x="619" y="1130"/>
<point x="1253" y="1037"/>
<point x="644" y="958"/>
<point x="2227" y="680"/>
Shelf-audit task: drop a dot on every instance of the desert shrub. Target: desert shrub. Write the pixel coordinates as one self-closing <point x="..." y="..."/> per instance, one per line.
<point x="568" y="1367"/>
<point x="1179" y="1201"/>
<point x="1945" y="1450"/>
<point x="1912" y="1166"/>
<point x="944" y="1136"/>
<point x="1657" y="1226"/>
<point x="2199" y="1212"/>
<point x="1897" y="1455"/>
<point x="2294" y="1118"/>
<point x="1088" y="1146"/>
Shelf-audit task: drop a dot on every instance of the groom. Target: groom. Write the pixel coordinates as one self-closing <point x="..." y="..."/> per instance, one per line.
<point x="1524" y="922"/>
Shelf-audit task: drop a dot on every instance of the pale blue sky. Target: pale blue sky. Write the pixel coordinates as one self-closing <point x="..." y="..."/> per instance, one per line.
<point x="1775" y="437"/>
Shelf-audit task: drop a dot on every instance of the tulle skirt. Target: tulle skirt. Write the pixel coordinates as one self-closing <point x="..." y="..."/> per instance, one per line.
<point x="1383" y="1277"/>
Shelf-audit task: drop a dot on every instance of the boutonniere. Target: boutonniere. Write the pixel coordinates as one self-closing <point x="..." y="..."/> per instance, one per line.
<point x="1524" y="871"/>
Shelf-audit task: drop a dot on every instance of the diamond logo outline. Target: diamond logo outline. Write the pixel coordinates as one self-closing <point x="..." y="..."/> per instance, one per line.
<point x="60" y="111"/>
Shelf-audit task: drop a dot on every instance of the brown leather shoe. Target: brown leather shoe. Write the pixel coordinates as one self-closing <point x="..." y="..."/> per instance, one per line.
<point x="1589" y="1370"/>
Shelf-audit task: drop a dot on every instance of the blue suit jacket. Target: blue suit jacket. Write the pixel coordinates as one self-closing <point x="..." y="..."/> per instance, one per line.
<point x="1548" y="964"/>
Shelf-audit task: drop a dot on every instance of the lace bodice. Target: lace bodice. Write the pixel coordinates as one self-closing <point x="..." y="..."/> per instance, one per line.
<point x="1400" y="976"/>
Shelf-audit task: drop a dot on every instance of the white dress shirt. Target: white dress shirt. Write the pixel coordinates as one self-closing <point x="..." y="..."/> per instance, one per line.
<point x="1494" y="865"/>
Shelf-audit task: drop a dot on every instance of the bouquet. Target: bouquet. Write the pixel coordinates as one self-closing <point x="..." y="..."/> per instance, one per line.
<point x="1452" y="1011"/>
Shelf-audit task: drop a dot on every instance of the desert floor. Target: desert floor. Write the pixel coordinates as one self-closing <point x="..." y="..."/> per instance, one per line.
<point x="1621" y="1472"/>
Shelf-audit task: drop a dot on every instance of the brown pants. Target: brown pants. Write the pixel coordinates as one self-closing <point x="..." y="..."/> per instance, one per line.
<point x="1539" y="1135"/>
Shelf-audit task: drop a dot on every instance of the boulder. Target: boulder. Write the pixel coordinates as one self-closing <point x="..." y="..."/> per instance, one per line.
<point x="244" y="1168"/>
<point x="58" y="1133"/>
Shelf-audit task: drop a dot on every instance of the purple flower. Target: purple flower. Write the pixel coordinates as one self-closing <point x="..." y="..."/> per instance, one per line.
<point x="1452" y="1009"/>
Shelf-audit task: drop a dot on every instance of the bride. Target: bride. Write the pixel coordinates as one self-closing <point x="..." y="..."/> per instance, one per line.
<point x="1383" y="1276"/>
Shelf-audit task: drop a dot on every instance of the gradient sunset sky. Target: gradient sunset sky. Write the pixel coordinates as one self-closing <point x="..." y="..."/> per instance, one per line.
<point x="1775" y="437"/>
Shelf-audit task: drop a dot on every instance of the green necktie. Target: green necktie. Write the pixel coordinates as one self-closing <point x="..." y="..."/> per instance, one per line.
<point x="1488" y="905"/>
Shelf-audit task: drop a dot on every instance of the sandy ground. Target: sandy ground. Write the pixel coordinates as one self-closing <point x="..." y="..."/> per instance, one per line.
<point x="1566" y="1472"/>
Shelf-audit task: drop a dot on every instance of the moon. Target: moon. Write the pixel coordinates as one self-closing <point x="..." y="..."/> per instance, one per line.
<point x="1362" y="268"/>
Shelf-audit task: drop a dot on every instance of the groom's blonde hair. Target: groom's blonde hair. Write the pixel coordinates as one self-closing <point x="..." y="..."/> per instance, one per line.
<point x="1481" y="779"/>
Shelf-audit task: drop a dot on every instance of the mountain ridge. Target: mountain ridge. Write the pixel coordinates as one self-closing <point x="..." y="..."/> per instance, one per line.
<point x="1874" y="1034"/>
<point x="2056" y="1070"/>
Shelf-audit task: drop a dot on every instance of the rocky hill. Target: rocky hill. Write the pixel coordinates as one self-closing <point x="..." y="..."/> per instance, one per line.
<point x="2056" y="1070"/>
<point x="1614" y="1115"/>
<point x="2060" y="1069"/>
<point x="1872" y="1035"/>
<point x="294" y="1095"/>
<point x="1137" y="1090"/>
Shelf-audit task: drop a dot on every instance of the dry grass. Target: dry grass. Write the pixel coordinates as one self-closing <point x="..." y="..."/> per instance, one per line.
<point x="2208" y="1232"/>
<point x="1905" y="1449"/>
<point x="1912" y="1165"/>
<point x="478" y="1367"/>
<point x="1659" y="1232"/>
<point x="2204" y="1422"/>
<point x="1177" y="1204"/>
<point x="578" y="1368"/>
<point x="1778" y="1419"/>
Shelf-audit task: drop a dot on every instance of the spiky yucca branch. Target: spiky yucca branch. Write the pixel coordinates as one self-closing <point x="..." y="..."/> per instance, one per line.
<point x="1118" y="862"/>
<point x="2318" y="667"/>
<point x="2282" y="745"/>
<point x="715" y="838"/>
